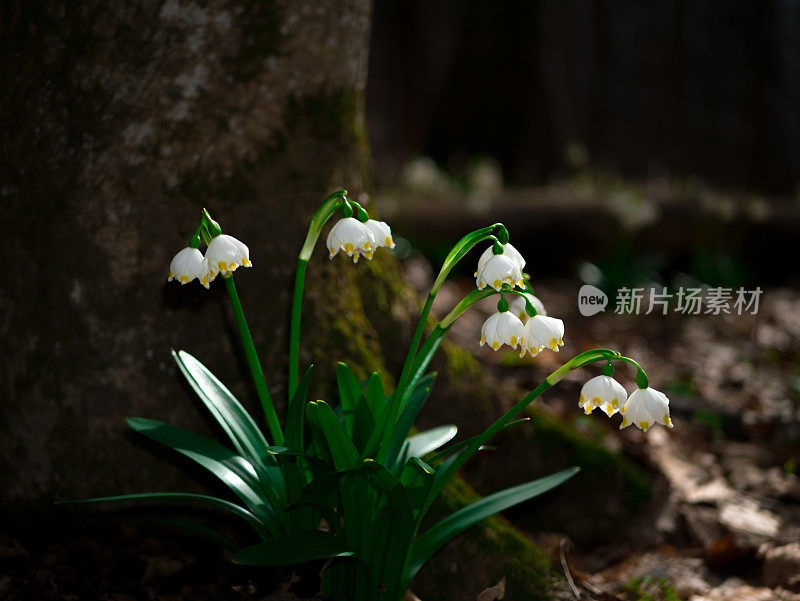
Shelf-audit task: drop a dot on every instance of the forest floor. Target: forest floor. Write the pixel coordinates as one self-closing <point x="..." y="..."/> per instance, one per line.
<point x="723" y="527"/>
<point x="726" y="521"/>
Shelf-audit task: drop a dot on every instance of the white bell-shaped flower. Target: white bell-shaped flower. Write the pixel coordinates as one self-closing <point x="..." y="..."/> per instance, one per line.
<point x="604" y="392"/>
<point x="517" y="306"/>
<point x="352" y="237"/>
<point x="501" y="328"/>
<point x="225" y="253"/>
<point x="381" y="232"/>
<point x="186" y="266"/>
<point x="508" y="250"/>
<point x="541" y="332"/>
<point x="645" y="408"/>
<point x="499" y="270"/>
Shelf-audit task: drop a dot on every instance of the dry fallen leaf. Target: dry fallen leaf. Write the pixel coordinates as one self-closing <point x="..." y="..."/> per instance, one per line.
<point x="494" y="593"/>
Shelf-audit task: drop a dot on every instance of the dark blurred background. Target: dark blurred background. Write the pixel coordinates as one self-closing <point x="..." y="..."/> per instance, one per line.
<point x="648" y="89"/>
<point x="669" y="128"/>
<point x="623" y="143"/>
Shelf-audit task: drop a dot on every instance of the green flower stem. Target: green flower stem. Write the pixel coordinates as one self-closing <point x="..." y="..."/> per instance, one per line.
<point x="459" y="250"/>
<point x="450" y="466"/>
<point x="294" y="333"/>
<point x="255" y="365"/>
<point x="401" y="390"/>
<point x="328" y="207"/>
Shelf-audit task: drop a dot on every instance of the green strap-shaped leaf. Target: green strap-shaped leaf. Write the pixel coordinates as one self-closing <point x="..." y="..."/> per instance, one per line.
<point x="247" y="439"/>
<point x="433" y="540"/>
<point x="235" y="471"/>
<point x="376" y="396"/>
<point x="426" y="442"/>
<point x="343" y="452"/>
<point x="349" y="395"/>
<point x="184" y="497"/>
<point x="234" y="419"/>
<point x="416" y="400"/>
<point x="296" y="413"/>
<point x="297" y="548"/>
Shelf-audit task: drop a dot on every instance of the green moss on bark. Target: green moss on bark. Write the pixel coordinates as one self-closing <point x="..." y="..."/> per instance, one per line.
<point x="483" y="555"/>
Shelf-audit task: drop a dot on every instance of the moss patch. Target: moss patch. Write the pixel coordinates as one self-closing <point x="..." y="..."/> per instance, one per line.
<point x="483" y="555"/>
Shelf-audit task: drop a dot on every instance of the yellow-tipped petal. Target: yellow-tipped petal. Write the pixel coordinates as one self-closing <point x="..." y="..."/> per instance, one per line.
<point x="495" y="345"/>
<point x="184" y="279"/>
<point x="348" y="248"/>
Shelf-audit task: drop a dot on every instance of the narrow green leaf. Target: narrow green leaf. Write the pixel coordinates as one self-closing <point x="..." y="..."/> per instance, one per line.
<point x="235" y="471"/>
<point x="349" y="395"/>
<point x="296" y="413"/>
<point x="432" y="540"/>
<point x="297" y="548"/>
<point x="230" y="414"/>
<point x="426" y="442"/>
<point x="183" y="497"/>
<point x="343" y="451"/>
<point x="376" y="396"/>
<point x="247" y="439"/>
<point x="414" y="404"/>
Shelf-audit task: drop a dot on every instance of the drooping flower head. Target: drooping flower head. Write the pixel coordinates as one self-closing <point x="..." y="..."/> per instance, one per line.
<point x="604" y="392"/>
<point x="381" y="232"/>
<point x="499" y="270"/>
<point x="186" y="266"/>
<point x="224" y="253"/>
<point x="352" y="237"/>
<point x="542" y="332"/>
<point x="518" y="304"/>
<point x="508" y="250"/>
<point x="645" y="408"/>
<point x="501" y="328"/>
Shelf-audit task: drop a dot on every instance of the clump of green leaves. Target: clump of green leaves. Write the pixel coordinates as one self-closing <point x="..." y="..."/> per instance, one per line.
<point x="344" y="480"/>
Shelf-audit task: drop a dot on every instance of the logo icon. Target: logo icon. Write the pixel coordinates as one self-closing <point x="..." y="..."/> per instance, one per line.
<point x="591" y="300"/>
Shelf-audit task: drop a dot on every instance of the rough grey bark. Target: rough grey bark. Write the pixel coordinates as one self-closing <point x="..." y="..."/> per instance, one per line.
<point x="120" y="121"/>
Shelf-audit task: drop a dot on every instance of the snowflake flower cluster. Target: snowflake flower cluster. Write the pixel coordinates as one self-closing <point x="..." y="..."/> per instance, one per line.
<point x="225" y="254"/>
<point x="524" y="323"/>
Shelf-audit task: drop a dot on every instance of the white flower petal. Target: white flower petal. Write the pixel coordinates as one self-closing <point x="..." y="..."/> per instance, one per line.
<point x="517" y="306"/>
<point x="501" y="328"/>
<point x="350" y="236"/>
<point x="542" y="332"/>
<point x="186" y="266"/>
<point x="499" y="270"/>
<point x="603" y="392"/>
<point x="381" y="232"/>
<point x="508" y="250"/>
<point x="226" y="253"/>
<point x="645" y="408"/>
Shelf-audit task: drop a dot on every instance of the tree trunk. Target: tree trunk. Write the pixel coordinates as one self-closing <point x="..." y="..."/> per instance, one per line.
<point x="121" y="121"/>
